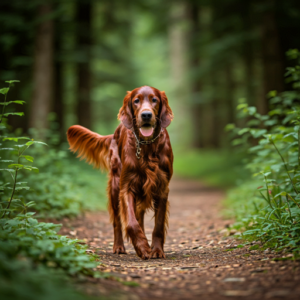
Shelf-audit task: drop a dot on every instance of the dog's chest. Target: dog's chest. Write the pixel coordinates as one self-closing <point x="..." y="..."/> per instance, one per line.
<point x="150" y="175"/>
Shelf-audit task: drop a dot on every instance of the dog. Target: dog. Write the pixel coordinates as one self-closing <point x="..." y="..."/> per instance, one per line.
<point x="139" y="159"/>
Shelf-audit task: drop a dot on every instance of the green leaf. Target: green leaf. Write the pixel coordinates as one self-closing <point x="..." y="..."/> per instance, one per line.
<point x="15" y="139"/>
<point x="35" y="142"/>
<point x="272" y="94"/>
<point x="229" y="127"/>
<point x="29" y="168"/>
<point x="280" y="194"/>
<point x="15" y="101"/>
<point x="256" y="133"/>
<point x="12" y="81"/>
<point x="18" y="188"/>
<point x="8" y="170"/>
<point x="31" y="203"/>
<point x="252" y="110"/>
<point x="4" y="91"/>
<point x="27" y="157"/>
<point x="242" y="131"/>
<point x="241" y="106"/>
<point x="13" y="114"/>
<point x="18" y="166"/>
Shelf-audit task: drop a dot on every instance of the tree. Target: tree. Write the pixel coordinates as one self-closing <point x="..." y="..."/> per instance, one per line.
<point x="272" y="57"/>
<point x="42" y="69"/>
<point x="84" y="106"/>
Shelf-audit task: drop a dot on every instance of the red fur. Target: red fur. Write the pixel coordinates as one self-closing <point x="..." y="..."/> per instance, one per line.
<point x="135" y="185"/>
<point x="90" y="146"/>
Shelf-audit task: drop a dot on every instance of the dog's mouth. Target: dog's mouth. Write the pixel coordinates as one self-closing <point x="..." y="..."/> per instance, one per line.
<point x="146" y="129"/>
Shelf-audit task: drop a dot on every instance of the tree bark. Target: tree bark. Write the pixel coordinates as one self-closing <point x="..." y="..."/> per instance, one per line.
<point x="58" y="106"/>
<point x="197" y="108"/>
<point x="178" y="45"/>
<point x="42" y="70"/>
<point x="248" y="55"/>
<point x="271" y="57"/>
<point x="230" y="88"/>
<point x="84" y="107"/>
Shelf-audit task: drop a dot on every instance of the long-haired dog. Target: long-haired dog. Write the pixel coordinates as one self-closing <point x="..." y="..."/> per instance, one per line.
<point x="139" y="159"/>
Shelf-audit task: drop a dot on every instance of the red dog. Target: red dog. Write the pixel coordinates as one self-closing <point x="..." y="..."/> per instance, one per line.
<point x="140" y="160"/>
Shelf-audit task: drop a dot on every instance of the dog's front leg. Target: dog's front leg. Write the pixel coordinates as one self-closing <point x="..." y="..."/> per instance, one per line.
<point x="132" y="227"/>
<point x="161" y="224"/>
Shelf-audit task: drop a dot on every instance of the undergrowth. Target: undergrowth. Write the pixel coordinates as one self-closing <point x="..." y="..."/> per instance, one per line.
<point x="29" y="248"/>
<point x="267" y="208"/>
<point x="64" y="186"/>
<point x="214" y="167"/>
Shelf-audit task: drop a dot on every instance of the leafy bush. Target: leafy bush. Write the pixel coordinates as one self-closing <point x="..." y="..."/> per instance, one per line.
<point x="20" y="281"/>
<point x="274" y="148"/>
<point x="42" y="244"/>
<point x="26" y="243"/>
<point x="64" y="187"/>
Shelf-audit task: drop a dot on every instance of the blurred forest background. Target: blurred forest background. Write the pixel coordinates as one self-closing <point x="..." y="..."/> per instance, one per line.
<point x="76" y="60"/>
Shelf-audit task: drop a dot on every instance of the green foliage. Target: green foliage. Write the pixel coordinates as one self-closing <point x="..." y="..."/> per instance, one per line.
<point x="41" y="242"/>
<point x="64" y="187"/>
<point x="57" y="191"/>
<point x="26" y="243"/>
<point x="21" y="279"/>
<point x="273" y="143"/>
<point x="215" y="167"/>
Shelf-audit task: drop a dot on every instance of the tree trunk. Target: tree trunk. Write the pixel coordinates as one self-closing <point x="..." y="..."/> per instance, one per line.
<point x="248" y="55"/>
<point x="84" y="107"/>
<point x="271" y="57"/>
<point x="197" y="108"/>
<point x="230" y="88"/>
<point x="58" y="107"/>
<point x="179" y="64"/>
<point x="42" y="70"/>
<point x="214" y="111"/>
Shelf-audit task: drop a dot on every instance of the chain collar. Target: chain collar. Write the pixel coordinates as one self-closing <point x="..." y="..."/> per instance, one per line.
<point x="138" y="143"/>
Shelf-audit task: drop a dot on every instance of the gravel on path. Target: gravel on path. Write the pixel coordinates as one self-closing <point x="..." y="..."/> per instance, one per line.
<point x="202" y="260"/>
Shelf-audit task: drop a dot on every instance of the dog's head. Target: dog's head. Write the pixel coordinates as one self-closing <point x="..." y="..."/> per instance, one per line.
<point x="145" y="108"/>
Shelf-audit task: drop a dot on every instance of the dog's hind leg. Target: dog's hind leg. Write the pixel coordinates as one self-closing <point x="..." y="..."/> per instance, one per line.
<point x="113" y="195"/>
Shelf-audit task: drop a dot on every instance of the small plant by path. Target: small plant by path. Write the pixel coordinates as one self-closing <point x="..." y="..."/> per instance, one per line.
<point x="267" y="207"/>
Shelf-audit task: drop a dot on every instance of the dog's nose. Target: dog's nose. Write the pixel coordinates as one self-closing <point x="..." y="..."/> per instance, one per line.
<point x="146" y="116"/>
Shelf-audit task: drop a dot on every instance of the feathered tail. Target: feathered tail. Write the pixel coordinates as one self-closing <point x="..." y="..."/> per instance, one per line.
<point x="91" y="146"/>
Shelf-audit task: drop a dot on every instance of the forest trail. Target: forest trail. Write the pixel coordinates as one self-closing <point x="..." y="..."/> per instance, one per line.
<point x="201" y="261"/>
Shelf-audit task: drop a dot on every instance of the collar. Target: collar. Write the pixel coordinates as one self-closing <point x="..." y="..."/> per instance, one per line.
<point x="141" y="142"/>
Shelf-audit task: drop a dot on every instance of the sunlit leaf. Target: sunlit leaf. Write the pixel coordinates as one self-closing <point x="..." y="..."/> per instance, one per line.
<point x="12" y="81"/>
<point x="4" y="91"/>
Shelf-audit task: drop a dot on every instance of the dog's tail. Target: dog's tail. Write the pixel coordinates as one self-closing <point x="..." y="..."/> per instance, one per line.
<point x="91" y="146"/>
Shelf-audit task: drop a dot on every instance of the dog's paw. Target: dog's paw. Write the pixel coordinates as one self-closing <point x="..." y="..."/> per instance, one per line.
<point x="119" y="249"/>
<point x="157" y="253"/>
<point x="143" y="252"/>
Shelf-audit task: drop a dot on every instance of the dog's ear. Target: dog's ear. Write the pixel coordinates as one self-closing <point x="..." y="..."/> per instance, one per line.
<point x="125" y="115"/>
<point x="166" y="115"/>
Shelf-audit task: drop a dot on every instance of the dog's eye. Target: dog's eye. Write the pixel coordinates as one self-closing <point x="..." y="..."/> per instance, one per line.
<point x="136" y="101"/>
<point x="154" y="100"/>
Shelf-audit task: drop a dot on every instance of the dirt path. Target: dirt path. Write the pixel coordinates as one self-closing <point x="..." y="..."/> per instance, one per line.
<point x="201" y="261"/>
